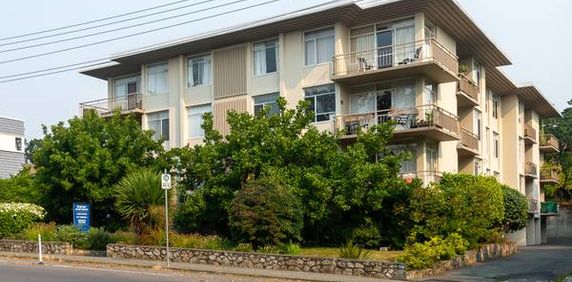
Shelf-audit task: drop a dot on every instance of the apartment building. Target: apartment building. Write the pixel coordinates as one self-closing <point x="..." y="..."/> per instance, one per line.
<point x="421" y="63"/>
<point x="11" y="146"/>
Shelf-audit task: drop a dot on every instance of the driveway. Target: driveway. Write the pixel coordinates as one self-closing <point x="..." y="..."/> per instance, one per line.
<point x="534" y="263"/>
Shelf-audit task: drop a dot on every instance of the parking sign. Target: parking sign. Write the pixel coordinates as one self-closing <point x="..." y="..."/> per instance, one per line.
<point x="166" y="181"/>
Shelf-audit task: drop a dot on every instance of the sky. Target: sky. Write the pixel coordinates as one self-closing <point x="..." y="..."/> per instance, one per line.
<point x="534" y="34"/>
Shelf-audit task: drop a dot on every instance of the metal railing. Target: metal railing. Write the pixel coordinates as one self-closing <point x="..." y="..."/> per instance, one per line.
<point x="529" y="131"/>
<point x="426" y="176"/>
<point x="530" y="169"/>
<point x="550" y="173"/>
<point x="532" y="205"/>
<point x="108" y="105"/>
<point x="428" y="50"/>
<point x="404" y="118"/>
<point x="548" y="140"/>
<point x="549" y="207"/>
<point x="468" y="87"/>
<point x="469" y="139"/>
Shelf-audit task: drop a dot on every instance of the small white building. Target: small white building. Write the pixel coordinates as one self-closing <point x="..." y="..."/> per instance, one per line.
<point x="11" y="146"/>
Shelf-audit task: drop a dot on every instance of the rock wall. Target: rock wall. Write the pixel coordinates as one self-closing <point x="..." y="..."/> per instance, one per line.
<point x="49" y="248"/>
<point x="377" y="269"/>
<point x="485" y="253"/>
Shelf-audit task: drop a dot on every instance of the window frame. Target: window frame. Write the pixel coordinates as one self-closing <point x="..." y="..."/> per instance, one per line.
<point x="188" y="63"/>
<point x="277" y="51"/>
<point x="314" y="96"/>
<point x="315" y="63"/>
<point x="161" y="121"/>
<point x="200" y="114"/>
<point x="264" y="104"/>
<point x="147" y="67"/>
<point x="496" y="106"/>
<point x="138" y="80"/>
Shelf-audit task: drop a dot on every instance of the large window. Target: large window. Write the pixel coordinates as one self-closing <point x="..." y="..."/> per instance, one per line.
<point x="322" y="101"/>
<point x="265" y="56"/>
<point x="319" y="46"/>
<point x="266" y="100"/>
<point x="127" y="85"/>
<point x="159" y="123"/>
<point x="195" y="120"/>
<point x="198" y="71"/>
<point x="158" y="78"/>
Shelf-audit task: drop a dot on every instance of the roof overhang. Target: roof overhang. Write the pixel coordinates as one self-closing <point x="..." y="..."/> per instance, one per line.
<point x="533" y="99"/>
<point x="113" y="69"/>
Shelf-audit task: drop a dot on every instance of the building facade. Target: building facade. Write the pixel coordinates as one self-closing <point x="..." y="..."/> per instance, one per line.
<point x="421" y="63"/>
<point x="11" y="146"/>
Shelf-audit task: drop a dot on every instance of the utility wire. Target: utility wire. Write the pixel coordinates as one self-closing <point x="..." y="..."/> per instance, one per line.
<point x="96" y="26"/>
<point x="50" y="73"/>
<point x="92" y="21"/>
<point x="102" y="60"/>
<point x="135" y="34"/>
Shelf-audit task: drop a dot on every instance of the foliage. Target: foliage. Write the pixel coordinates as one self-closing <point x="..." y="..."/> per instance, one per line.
<point x="97" y="239"/>
<point x="140" y="199"/>
<point x="469" y="205"/>
<point x="30" y="148"/>
<point x="515" y="210"/>
<point x="290" y="249"/>
<point x="82" y="161"/>
<point x="19" y="188"/>
<point x="15" y="217"/>
<point x="47" y="230"/>
<point x="561" y="128"/>
<point x="265" y="212"/>
<point x="124" y="237"/>
<point x="349" y="250"/>
<point x="269" y="249"/>
<point x="195" y="241"/>
<point x="424" y="255"/>
<point x="244" y="247"/>
<point x="72" y="235"/>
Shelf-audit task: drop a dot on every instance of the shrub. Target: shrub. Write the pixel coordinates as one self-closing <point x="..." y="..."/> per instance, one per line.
<point x="269" y="249"/>
<point x="196" y="241"/>
<point x="290" y="249"/>
<point x="244" y="247"/>
<point x="124" y="237"/>
<point x="366" y="235"/>
<point x="97" y="239"/>
<point x="515" y="210"/>
<point x="264" y="212"/>
<point x="72" y="235"/>
<point x="349" y="250"/>
<point x="47" y="230"/>
<point x="15" y="217"/>
<point x="424" y="255"/>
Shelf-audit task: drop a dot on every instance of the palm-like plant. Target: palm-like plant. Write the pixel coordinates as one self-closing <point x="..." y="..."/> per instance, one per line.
<point x="140" y="199"/>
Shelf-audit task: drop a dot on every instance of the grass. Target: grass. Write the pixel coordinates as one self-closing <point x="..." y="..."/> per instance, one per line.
<point x="334" y="253"/>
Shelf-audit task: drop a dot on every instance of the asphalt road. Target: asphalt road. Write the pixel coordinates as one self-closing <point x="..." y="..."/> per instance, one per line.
<point x="31" y="272"/>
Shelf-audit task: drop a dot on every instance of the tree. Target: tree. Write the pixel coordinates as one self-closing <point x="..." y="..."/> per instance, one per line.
<point x="515" y="210"/>
<point x="265" y="212"/>
<point x="19" y="188"/>
<point x="81" y="162"/>
<point x="30" y="148"/>
<point x="561" y="127"/>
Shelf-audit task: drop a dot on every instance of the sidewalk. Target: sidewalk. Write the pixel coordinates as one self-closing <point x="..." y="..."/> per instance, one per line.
<point x="254" y="272"/>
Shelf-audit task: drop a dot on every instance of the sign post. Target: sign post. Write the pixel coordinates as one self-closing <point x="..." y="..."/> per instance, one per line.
<point x="166" y="185"/>
<point x="81" y="216"/>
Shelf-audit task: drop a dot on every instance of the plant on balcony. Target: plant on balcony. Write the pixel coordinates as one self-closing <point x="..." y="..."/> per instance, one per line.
<point x="463" y="68"/>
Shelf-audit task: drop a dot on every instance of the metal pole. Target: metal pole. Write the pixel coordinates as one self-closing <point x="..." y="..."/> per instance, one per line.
<point x="167" y="224"/>
<point x="40" y="249"/>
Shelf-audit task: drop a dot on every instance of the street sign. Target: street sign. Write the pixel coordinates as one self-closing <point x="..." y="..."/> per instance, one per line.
<point x="166" y="181"/>
<point x="81" y="216"/>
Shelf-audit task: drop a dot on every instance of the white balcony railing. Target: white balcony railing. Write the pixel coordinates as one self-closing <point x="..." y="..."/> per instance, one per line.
<point x="106" y="106"/>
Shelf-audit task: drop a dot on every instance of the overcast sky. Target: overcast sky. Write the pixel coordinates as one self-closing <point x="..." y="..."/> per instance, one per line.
<point x="535" y="34"/>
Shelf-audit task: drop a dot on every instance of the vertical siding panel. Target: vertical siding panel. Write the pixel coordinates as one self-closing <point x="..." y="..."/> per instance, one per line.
<point x="229" y="66"/>
<point x="221" y="109"/>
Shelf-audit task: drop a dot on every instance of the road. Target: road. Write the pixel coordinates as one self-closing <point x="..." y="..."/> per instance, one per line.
<point x="30" y="272"/>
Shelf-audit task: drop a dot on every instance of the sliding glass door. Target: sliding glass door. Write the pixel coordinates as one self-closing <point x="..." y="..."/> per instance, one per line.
<point x="384" y="48"/>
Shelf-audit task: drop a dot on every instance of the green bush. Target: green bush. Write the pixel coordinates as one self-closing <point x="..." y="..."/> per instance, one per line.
<point x="290" y="249"/>
<point x="124" y="237"/>
<point x="243" y="247"/>
<point x="264" y="212"/>
<point x="269" y="249"/>
<point x="97" y="239"/>
<point x="366" y="235"/>
<point x="349" y="250"/>
<point x="47" y="230"/>
<point x="515" y="210"/>
<point x="424" y="255"/>
<point x="72" y="235"/>
<point x="15" y="217"/>
<point x="196" y="241"/>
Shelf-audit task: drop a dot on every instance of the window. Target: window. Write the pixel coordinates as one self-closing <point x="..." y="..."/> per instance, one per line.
<point x="198" y="71"/>
<point x="496" y="104"/>
<point x="477" y="123"/>
<point x="158" y="78"/>
<point x="266" y="100"/>
<point x="18" y="144"/>
<point x="319" y="46"/>
<point x="477" y="73"/>
<point x="478" y="167"/>
<point x="407" y="166"/>
<point x="265" y="56"/>
<point x="431" y="158"/>
<point x="430" y="91"/>
<point x="496" y="144"/>
<point x="127" y="85"/>
<point x="322" y="100"/>
<point x="195" y="120"/>
<point x="159" y="123"/>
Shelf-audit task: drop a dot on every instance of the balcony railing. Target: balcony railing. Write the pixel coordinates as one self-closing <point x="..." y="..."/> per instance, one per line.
<point x="413" y="118"/>
<point x="469" y="140"/>
<point x="532" y="206"/>
<point x="426" y="176"/>
<point x="549" y="174"/>
<point x="529" y="132"/>
<point x="404" y="54"/>
<point x="530" y="169"/>
<point x="549" y="141"/>
<point x="107" y="106"/>
<point x="468" y="87"/>
<point x="549" y="207"/>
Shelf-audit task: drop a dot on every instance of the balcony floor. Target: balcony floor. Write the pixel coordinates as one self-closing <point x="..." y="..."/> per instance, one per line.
<point x="431" y="132"/>
<point x="549" y="149"/>
<point x="464" y="151"/>
<point x="464" y="100"/>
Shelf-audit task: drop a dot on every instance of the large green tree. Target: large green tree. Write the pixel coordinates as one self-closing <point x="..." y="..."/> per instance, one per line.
<point x="83" y="160"/>
<point x="561" y="127"/>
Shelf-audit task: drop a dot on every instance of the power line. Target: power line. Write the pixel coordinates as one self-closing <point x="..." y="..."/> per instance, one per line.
<point x="135" y="34"/>
<point x="102" y="60"/>
<point x="50" y="73"/>
<point x="92" y="21"/>
<point x="95" y="26"/>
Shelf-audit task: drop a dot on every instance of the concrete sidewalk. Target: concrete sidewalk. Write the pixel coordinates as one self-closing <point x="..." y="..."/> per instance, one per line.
<point x="187" y="267"/>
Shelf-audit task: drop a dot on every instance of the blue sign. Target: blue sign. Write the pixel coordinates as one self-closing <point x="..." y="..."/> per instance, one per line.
<point x="81" y="216"/>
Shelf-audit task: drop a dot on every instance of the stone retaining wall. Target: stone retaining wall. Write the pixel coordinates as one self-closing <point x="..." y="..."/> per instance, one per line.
<point x="49" y="248"/>
<point x="485" y="253"/>
<point x="377" y="269"/>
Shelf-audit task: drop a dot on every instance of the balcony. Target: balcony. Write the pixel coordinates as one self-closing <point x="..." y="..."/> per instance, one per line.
<point x="532" y="206"/>
<point x="410" y="123"/>
<point x="105" y="107"/>
<point x="467" y="92"/>
<point x="530" y="170"/>
<point x="427" y="177"/>
<point x="550" y="175"/>
<point x="469" y="143"/>
<point x="549" y="144"/>
<point x="425" y="57"/>
<point x="529" y="134"/>
<point x="549" y="208"/>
